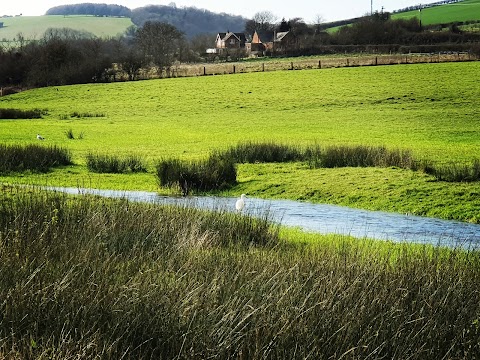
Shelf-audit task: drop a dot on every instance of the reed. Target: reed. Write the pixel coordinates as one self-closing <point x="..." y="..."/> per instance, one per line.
<point x="215" y="173"/>
<point x="102" y="163"/>
<point x="98" y="278"/>
<point x="36" y="158"/>
<point x="20" y="114"/>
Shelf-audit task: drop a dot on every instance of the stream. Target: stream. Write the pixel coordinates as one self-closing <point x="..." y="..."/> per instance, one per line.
<point x="322" y="218"/>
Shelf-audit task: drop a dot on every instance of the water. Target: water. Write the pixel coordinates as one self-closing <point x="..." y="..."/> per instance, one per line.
<point x="323" y="218"/>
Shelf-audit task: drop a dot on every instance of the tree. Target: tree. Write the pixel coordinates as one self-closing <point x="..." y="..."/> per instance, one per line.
<point x="262" y="21"/>
<point x="159" y="42"/>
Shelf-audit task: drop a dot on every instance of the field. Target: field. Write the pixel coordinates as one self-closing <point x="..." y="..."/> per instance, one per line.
<point x="33" y="27"/>
<point x="190" y="117"/>
<point x="468" y="10"/>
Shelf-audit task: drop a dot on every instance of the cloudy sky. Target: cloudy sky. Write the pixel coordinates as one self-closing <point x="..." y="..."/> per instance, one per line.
<point x="309" y="10"/>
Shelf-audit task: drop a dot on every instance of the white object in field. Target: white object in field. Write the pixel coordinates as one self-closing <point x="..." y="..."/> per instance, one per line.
<point x="240" y="204"/>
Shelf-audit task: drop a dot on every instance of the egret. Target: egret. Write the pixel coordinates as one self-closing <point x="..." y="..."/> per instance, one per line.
<point x="240" y="204"/>
<point x="40" y="137"/>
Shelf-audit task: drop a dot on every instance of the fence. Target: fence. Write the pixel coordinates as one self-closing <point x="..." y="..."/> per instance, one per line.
<point x="311" y="63"/>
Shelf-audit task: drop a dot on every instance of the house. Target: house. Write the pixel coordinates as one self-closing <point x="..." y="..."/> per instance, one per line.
<point x="230" y="40"/>
<point x="269" y="42"/>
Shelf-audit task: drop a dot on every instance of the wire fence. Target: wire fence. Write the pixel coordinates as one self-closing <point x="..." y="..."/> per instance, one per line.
<point x="190" y="70"/>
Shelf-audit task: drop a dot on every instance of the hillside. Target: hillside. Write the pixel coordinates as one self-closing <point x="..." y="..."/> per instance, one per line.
<point x="33" y="27"/>
<point x="468" y="10"/>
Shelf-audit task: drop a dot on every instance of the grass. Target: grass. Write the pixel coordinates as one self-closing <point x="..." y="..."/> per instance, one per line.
<point x="431" y="111"/>
<point x="88" y="277"/>
<point x="33" y="27"/>
<point x="467" y="10"/>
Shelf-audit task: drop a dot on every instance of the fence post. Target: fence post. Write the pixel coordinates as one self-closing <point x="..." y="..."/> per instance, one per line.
<point x="319" y="64"/>
<point x="348" y="62"/>
<point x="376" y="60"/>
<point x="234" y="69"/>
<point x="204" y="71"/>
<point x="263" y="66"/>
<point x="291" y="64"/>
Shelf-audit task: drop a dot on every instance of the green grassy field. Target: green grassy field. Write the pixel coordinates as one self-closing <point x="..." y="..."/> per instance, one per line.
<point x="467" y="10"/>
<point x="430" y="109"/>
<point x="33" y="27"/>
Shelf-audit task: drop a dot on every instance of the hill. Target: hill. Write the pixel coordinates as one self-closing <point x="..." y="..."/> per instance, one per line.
<point x="468" y="10"/>
<point x="190" y="20"/>
<point x="33" y="27"/>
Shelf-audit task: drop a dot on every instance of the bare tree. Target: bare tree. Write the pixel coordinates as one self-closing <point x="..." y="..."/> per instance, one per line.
<point x="159" y="42"/>
<point x="262" y="21"/>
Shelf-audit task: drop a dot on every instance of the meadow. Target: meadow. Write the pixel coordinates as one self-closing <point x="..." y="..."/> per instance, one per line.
<point x="33" y="27"/>
<point x="468" y="10"/>
<point x="428" y="109"/>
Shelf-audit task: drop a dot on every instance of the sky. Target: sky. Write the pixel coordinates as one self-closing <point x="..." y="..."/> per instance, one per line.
<point x="308" y="10"/>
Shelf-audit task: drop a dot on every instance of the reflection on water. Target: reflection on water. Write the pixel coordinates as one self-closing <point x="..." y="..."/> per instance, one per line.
<point x="323" y="218"/>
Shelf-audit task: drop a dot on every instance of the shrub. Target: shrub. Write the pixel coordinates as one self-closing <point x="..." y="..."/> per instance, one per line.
<point x="215" y="173"/>
<point x="32" y="157"/>
<point x="113" y="164"/>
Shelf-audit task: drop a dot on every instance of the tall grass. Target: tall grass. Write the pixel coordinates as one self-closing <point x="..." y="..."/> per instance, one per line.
<point x="350" y="156"/>
<point x="20" y="114"/>
<point x="32" y="157"/>
<point x="102" y="163"/>
<point x="215" y="173"/>
<point x="457" y="172"/>
<point x="97" y="278"/>
<point x="252" y="152"/>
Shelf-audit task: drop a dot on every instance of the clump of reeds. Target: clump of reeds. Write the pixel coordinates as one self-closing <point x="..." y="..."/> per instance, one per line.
<point x="78" y="114"/>
<point x="252" y="152"/>
<point x="214" y="173"/>
<point x="21" y="114"/>
<point x="103" y="163"/>
<point x="32" y="157"/>
<point x="71" y="136"/>
<point x="453" y="172"/>
<point x="97" y="278"/>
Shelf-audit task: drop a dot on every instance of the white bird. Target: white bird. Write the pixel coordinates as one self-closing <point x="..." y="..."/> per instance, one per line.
<point x="40" y="137"/>
<point x="240" y="204"/>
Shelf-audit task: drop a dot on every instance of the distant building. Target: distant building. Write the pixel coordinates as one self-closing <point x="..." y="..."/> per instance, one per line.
<point x="229" y="41"/>
<point x="269" y="41"/>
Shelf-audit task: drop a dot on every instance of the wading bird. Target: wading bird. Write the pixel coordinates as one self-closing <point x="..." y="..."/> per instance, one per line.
<point x="240" y="204"/>
<point x="40" y="137"/>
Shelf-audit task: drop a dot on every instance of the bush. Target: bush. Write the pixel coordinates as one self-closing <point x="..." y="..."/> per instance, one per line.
<point x="115" y="165"/>
<point x="32" y="157"/>
<point x="216" y="173"/>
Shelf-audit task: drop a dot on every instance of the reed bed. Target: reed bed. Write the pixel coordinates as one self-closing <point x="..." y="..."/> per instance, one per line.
<point x="37" y="158"/>
<point x="95" y="278"/>
<point x="102" y="163"/>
